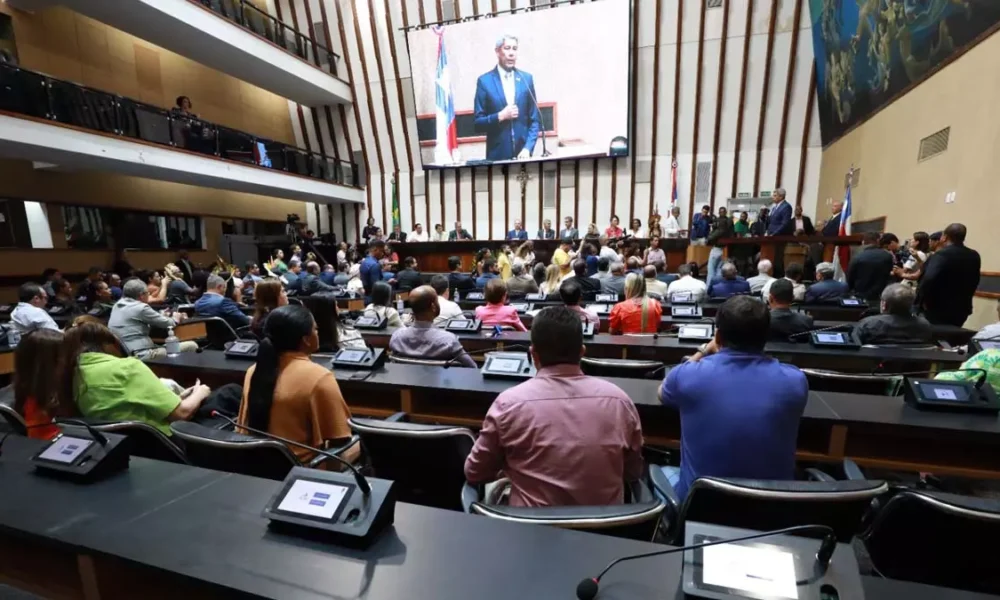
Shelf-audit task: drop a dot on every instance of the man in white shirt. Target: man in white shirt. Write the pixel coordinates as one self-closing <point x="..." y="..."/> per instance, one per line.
<point x="687" y="283"/>
<point x="654" y="285"/>
<point x="449" y="309"/>
<point x="991" y="331"/>
<point x="439" y="235"/>
<point x="672" y="224"/>
<point x="763" y="276"/>
<point x="30" y="312"/>
<point x="418" y="234"/>
<point x="607" y="251"/>
<point x="798" y="288"/>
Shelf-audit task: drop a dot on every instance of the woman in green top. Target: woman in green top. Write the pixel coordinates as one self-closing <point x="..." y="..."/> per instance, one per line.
<point x="105" y="386"/>
<point x="278" y="266"/>
<point x="988" y="360"/>
<point x="742" y="227"/>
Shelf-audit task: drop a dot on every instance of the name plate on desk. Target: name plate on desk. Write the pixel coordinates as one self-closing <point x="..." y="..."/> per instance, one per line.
<point x="853" y="303"/>
<point x="696" y="332"/>
<point x="535" y="297"/>
<point x="682" y="298"/>
<point x="521" y="307"/>
<point x="601" y="310"/>
<point x="606" y="298"/>
<point x="687" y="311"/>
<point x="351" y="358"/>
<point x="588" y="329"/>
<point x="508" y="365"/>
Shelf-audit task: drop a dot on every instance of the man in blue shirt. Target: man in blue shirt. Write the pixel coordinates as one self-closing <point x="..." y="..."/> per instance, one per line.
<point x="740" y="409"/>
<point x="371" y="270"/>
<point x="489" y="272"/>
<point x="826" y="287"/>
<point x="702" y="223"/>
<point x="213" y="303"/>
<point x="730" y="284"/>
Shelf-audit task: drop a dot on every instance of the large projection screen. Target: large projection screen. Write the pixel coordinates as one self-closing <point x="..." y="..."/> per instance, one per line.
<point x="562" y="70"/>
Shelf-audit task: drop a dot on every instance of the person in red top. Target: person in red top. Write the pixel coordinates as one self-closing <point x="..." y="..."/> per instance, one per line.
<point x="637" y="314"/>
<point x="497" y="311"/>
<point x="614" y="231"/>
<point x="35" y="359"/>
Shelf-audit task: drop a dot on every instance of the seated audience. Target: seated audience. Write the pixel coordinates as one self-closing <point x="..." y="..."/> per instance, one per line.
<point x="178" y="291"/>
<point x="132" y="317"/>
<point x="589" y="286"/>
<point x="662" y="275"/>
<point x="730" y="283"/>
<point x="408" y="278"/>
<point x="520" y="283"/>
<point x="423" y="340"/>
<point x="538" y="274"/>
<point x="381" y="304"/>
<point x="785" y="321"/>
<point x="638" y="313"/>
<point x="988" y="361"/>
<point x="343" y="274"/>
<point x="214" y="303"/>
<point x="563" y="438"/>
<point x="633" y="265"/>
<point x="615" y="283"/>
<point x="689" y="283"/>
<point x="48" y="277"/>
<point x="293" y="276"/>
<point x="269" y="295"/>
<point x="571" y="295"/>
<point x="447" y="309"/>
<point x="497" y="311"/>
<point x="310" y="281"/>
<point x="35" y="387"/>
<point x="86" y="293"/>
<point x="991" y="331"/>
<point x="29" y="314"/>
<point x="553" y="277"/>
<point x="870" y="269"/>
<point x="287" y="394"/>
<point x="739" y="409"/>
<point x="155" y="286"/>
<point x="333" y="335"/>
<point x="105" y="386"/>
<point x="758" y="281"/>
<point x="490" y="271"/>
<point x="329" y="275"/>
<point x="603" y="269"/>
<point x="896" y="324"/>
<point x="826" y="287"/>
<point x="63" y="294"/>
<point x="793" y="273"/>
<point x="654" y="285"/>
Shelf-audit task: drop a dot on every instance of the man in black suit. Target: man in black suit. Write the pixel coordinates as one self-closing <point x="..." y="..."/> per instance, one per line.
<point x="784" y="321"/>
<point x="409" y="278"/>
<point x="588" y="285"/>
<point x="826" y="287"/>
<point x="457" y="280"/>
<point x="310" y="283"/>
<point x="871" y="269"/>
<point x="949" y="280"/>
<point x="896" y="324"/>
<point x="832" y="226"/>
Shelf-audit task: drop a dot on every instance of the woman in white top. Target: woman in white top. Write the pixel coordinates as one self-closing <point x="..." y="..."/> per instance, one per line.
<point x="553" y="278"/>
<point x="439" y="234"/>
<point x="382" y="304"/>
<point x="525" y="255"/>
<point x="354" y="284"/>
<point x="919" y="248"/>
<point x="635" y="229"/>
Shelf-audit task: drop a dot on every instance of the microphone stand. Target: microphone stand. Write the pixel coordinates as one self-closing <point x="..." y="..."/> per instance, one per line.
<point x="541" y="120"/>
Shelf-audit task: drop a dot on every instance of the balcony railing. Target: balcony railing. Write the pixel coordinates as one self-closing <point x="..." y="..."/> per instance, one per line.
<point x="33" y="94"/>
<point x="248" y="16"/>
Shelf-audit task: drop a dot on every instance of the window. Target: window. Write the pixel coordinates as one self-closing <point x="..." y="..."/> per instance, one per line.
<point x="85" y="226"/>
<point x="145" y="231"/>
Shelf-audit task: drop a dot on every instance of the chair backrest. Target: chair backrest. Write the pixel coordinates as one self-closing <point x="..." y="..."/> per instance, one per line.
<point x="406" y="360"/>
<point x="764" y="504"/>
<point x="427" y="462"/>
<point x="938" y="539"/>
<point x="632" y="521"/>
<point x="219" y="333"/>
<point x="146" y="441"/>
<point x="618" y="367"/>
<point x="234" y="452"/>
<point x="824" y="380"/>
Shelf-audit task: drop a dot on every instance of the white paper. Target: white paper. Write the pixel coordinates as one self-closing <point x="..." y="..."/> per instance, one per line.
<point x="750" y="569"/>
<point x="313" y="498"/>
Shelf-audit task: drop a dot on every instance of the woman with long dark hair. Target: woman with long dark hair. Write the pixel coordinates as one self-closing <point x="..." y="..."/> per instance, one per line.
<point x="35" y="359"/>
<point x="268" y="295"/>
<point x="333" y="335"/>
<point x="287" y="394"/>
<point x="382" y="304"/>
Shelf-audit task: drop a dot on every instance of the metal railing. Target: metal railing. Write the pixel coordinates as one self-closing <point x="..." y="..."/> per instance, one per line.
<point x="34" y="94"/>
<point x="252" y="18"/>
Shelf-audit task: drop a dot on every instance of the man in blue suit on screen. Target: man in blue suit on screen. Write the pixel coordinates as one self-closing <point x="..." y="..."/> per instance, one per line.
<point x="781" y="222"/>
<point x="506" y="110"/>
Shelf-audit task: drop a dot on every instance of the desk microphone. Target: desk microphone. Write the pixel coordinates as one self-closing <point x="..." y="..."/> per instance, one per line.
<point x="99" y="437"/>
<point x="811" y="331"/>
<point x="587" y="589"/>
<point x="979" y="381"/>
<point x="363" y="485"/>
<point x="454" y="360"/>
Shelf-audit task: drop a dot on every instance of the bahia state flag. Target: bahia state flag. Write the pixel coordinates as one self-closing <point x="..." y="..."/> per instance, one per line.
<point x="447" y="137"/>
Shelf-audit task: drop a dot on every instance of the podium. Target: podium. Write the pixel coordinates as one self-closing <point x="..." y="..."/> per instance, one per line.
<point x="792" y="248"/>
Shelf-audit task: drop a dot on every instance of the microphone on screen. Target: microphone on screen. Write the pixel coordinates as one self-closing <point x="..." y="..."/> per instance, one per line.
<point x="588" y="588"/>
<point x="363" y="484"/>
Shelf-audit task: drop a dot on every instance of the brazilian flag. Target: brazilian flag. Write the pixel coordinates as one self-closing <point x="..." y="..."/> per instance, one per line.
<point x="395" y="205"/>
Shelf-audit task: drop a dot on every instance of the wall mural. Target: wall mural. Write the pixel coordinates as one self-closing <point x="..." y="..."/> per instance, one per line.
<point x="870" y="51"/>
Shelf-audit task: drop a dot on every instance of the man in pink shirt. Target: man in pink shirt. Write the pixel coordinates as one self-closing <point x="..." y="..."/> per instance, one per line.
<point x="571" y="294"/>
<point x="563" y="438"/>
<point x="496" y="311"/>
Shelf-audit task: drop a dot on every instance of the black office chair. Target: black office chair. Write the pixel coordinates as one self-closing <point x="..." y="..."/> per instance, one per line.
<point x="637" y="519"/>
<point x="248" y="455"/>
<point x="936" y="538"/>
<point x="826" y="380"/>
<point x="12" y="420"/>
<point x="618" y="367"/>
<point x="146" y="441"/>
<point x="765" y="504"/>
<point x="427" y="462"/>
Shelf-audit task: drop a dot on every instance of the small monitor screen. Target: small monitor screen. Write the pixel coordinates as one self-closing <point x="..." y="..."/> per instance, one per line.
<point x="534" y="297"/>
<point x="314" y="498"/>
<point x="366" y="322"/>
<point x="683" y="311"/>
<point x="947" y="393"/>
<point x="607" y="297"/>
<point x="65" y="449"/>
<point x="851" y="302"/>
<point x="461" y="324"/>
<point x="505" y="365"/>
<point x="995" y="344"/>
<point x="681" y="297"/>
<point x="830" y="338"/>
<point x="354" y="356"/>
<point x="475" y="296"/>
<point x="241" y="347"/>
<point x="4" y="307"/>
<point x="696" y="331"/>
<point x="520" y="307"/>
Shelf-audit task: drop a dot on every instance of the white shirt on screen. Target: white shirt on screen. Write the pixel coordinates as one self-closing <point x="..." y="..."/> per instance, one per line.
<point x="507" y="79"/>
<point x="27" y="318"/>
<point x="449" y="310"/>
<point x="417" y="237"/>
<point x="670" y="226"/>
<point x="689" y="284"/>
<point x="439" y="236"/>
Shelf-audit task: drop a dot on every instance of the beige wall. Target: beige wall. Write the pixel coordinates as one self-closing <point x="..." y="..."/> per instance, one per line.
<point x="911" y="194"/>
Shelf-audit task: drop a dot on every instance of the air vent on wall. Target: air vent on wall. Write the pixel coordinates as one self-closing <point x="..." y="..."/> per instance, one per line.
<point x="714" y="4"/>
<point x="702" y="182"/>
<point x="934" y="144"/>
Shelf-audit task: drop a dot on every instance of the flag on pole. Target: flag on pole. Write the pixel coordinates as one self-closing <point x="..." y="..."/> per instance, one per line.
<point x="447" y="136"/>
<point x="395" y="205"/>
<point x="673" y="184"/>
<point x="842" y="254"/>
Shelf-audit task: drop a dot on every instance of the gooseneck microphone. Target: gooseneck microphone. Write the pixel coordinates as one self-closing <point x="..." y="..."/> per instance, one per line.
<point x="99" y="437"/>
<point x="363" y="484"/>
<point x="588" y="588"/>
<point x="541" y="121"/>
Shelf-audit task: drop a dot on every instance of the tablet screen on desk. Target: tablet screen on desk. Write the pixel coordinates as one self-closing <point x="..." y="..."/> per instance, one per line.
<point x="985" y="345"/>
<point x="242" y="347"/>
<point x="519" y="307"/>
<point x="353" y="356"/>
<point x="683" y="311"/>
<point x="695" y="331"/>
<point x="850" y="302"/>
<point x="505" y="365"/>
<point x="945" y="393"/>
<point x="461" y="324"/>
<point x="311" y="498"/>
<point x="65" y="449"/>
<point x="830" y="338"/>
<point x="366" y="322"/>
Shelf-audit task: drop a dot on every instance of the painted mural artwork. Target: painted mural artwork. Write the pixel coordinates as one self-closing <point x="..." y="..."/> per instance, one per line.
<point x="869" y="51"/>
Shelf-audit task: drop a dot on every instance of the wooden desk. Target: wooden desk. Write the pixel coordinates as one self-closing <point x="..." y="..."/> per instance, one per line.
<point x="771" y="246"/>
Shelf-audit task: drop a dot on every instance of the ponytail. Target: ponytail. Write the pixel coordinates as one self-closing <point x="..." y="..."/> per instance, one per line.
<point x="262" y="382"/>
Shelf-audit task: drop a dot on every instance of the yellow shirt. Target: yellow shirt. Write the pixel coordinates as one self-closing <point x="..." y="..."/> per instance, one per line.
<point x="503" y="263"/>
<point x="560" y="258"/>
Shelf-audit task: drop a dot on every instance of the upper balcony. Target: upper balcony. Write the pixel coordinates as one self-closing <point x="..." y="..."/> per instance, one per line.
<point x="52" y="121"/>
<point x="231" y="36"/>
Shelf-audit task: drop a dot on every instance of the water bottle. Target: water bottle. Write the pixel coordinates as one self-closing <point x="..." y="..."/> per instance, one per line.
<point x="458" y="296"/>
<point x="13" y="337"/>
<point x="399" y="304"/>
<point x="173" y="344"/>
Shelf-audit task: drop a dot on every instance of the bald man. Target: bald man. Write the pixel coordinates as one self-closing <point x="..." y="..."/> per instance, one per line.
<point x="832" y="226"/>
<point x="423" y="340"/>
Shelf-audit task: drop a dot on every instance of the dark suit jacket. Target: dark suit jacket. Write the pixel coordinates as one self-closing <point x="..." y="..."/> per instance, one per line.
<point x="870" y="272"/>
<point x="408" y="279"/>
<point x="311" y="284"/>
<point x="832" y="227"/>
<point x="505" y="139"/>
<point x="947" y="283"/>
<point x="590" y="286"/>
<point x="214" y="305"/>
<point x="780" y="221"/>
<point x="459" y="235"/>
<point x="724" y="288"/>
<point x="894" y="329"/>
<point x="546" y="235"/>
<point x="807" y="225"/>
<point x="826" y="290"/>
<point x="724" y="228"/>
<point x="514" y="234"/>
<point x="461" y="282"/>
<point x="519" y="286"/>
<point x="785" y="322"/>
<point x="393" y="237"/>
